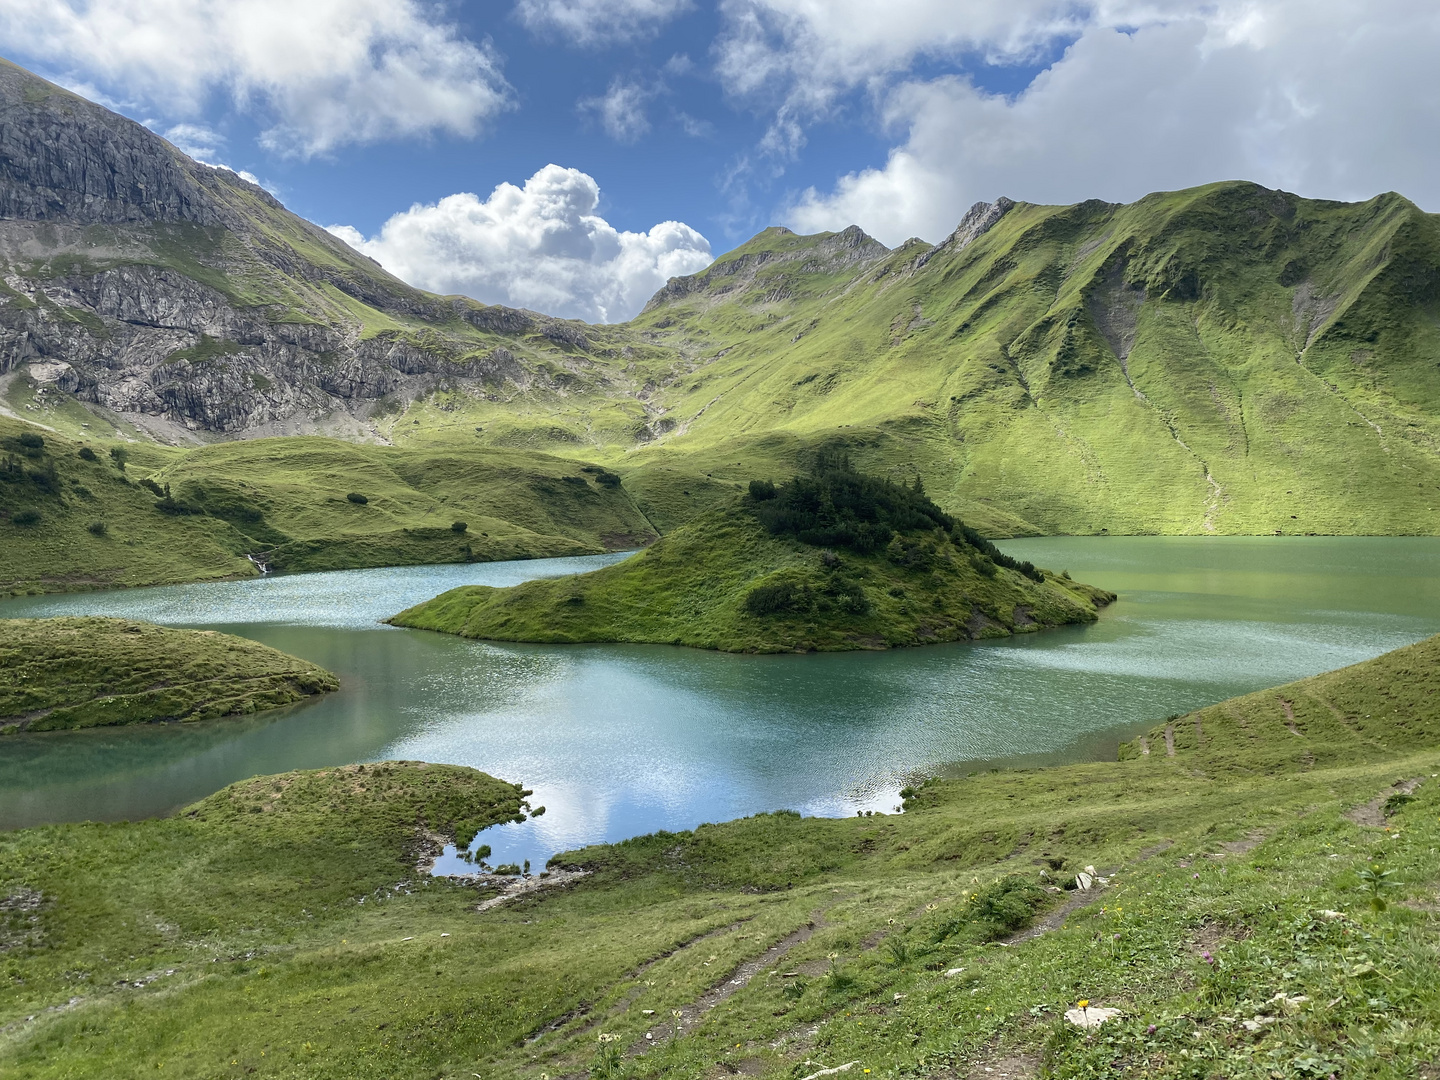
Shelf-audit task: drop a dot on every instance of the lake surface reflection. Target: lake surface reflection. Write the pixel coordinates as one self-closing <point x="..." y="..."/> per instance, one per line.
<point x="620" y="740"/>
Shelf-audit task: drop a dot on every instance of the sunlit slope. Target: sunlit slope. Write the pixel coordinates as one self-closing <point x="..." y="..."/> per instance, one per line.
<point x="71" y="517"/>
<point x="1225" y="358"/>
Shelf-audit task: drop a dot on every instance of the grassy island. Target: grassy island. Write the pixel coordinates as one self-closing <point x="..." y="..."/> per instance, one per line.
<point x="1252" y="888"/>
<point x="831" y="560"/>
<point x="88" y="672"/>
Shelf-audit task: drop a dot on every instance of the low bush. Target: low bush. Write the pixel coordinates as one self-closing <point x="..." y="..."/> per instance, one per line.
<point x="782" y="597"/>
<point x="25" y="518"/>
<point x="458" y="526"/>
<point x="88" y="455"/>
<point x="356" y="498"/>
<point x="98" y="528"/>
<point x="119" y="455"/>
<point x="30" y="441"/>
<point x="995" y="910"/>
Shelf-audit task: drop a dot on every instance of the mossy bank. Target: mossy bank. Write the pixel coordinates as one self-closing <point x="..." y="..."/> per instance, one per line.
<point x="91" y="672"/>
<point x="833" y="560"/>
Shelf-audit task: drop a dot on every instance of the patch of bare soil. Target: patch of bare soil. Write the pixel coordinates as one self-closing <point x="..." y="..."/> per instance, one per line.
<point x="1007" y="1067"/>
<point x="1372" y="813"/>
<point x="524" y="886"/>
<point x="1055" y="919"/>
<point x="1289" y="708"/>
<point x="1214" y="934"/>
<point x="1251" y="840"/>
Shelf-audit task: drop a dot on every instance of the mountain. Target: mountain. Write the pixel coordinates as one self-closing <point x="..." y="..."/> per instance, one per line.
<point x="72" y="518"/>
<point x="1223" y="359"/>
<point x="181" y="298"/>
<point x="1226" y="359"/>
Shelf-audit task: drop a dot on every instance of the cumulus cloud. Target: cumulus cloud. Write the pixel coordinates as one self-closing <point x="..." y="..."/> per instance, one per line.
<point x="621" y="111"/>
<point x="321" y="73"/>
<point x="598" y="22"/>
<point x="542" y="247"/>
<point x="200" y="142"/>
<point x="1329" y="98"/>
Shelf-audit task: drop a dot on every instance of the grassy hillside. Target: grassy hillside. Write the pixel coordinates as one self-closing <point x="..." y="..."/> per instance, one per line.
<point x="1221" y="359"/>
<point x="724" y="581"/>
<point x="1245" y="923"/>
<point x="692" y="587"/>
<point x="71" y="521"/>
<point x="1225" y="358"/>
<point x="90" y="672"/>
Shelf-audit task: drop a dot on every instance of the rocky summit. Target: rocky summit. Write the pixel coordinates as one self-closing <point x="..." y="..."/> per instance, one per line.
<point x="185" y="298"/>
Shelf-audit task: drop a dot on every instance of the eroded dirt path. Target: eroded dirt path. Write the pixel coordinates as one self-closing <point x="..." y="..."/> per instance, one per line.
<point x="1372" y="813"/>
<point x="673" y="1026"/>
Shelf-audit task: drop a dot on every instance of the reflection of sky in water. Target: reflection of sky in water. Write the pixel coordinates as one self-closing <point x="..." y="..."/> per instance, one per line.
<point x="620" y="740"/>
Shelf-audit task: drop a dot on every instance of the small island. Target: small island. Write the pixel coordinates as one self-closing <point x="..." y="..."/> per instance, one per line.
<point x="832" y="560"/>
<point x="65" y="673"/>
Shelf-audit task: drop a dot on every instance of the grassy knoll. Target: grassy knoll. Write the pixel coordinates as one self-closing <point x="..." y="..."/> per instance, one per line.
<point x="1279" y="920"/>
<point x="72" y="517"/>
<point x="92" y="672"/>
<point x="770" y="572"/>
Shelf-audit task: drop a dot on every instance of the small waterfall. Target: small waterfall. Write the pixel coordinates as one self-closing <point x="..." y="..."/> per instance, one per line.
<point x="260" y="565"/>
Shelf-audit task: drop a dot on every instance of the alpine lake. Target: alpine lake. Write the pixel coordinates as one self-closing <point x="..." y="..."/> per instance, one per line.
<point x="619" y="740"/>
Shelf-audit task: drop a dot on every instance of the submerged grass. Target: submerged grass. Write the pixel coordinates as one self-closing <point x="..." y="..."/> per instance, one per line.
<point x="279" y="927"/>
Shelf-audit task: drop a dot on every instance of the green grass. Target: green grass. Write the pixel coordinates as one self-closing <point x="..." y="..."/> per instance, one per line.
<point x="1282" y="372"/>
<point x="692" y="586"/>
<point x="66" y="673"/>
<point x="1221" y="359"/>
<point x="279" y="928"/>
<point x="284" y="501"/>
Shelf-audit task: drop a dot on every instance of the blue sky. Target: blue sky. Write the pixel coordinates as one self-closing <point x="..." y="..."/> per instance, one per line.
<point x="730" y="115"/>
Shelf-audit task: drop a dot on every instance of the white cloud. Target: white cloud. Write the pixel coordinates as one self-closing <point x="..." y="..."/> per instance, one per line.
<point x="598" y="22"/>
<point x="621" y="111"/>
<point x="542" y="246"/>
<point x="322" y="73"/>
<point x="200" y="142"/>
<point x="1329" y="98"/>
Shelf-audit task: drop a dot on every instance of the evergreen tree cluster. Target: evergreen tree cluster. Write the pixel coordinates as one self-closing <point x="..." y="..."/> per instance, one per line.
<point x="836" y="506"/>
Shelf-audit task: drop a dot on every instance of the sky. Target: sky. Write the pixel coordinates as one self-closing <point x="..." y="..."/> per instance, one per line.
<point x="570" y="155"/>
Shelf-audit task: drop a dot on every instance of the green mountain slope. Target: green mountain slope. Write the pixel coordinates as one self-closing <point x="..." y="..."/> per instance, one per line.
<point x="58" y="674"/>
<point x="745" y="578"/>
<point x="71" y="521"/>
<point x="1222" y="359"/>
<point x="1225" y="359"/>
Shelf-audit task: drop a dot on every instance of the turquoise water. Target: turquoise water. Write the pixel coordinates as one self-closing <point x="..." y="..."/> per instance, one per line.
<point x="620" y="740"/>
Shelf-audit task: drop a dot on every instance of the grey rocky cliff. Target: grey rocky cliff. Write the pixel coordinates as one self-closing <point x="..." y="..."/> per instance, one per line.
<point x="155" y="286"/>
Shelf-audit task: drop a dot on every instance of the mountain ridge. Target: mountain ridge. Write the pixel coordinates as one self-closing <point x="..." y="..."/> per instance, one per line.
<point x="1224" y="358"/>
